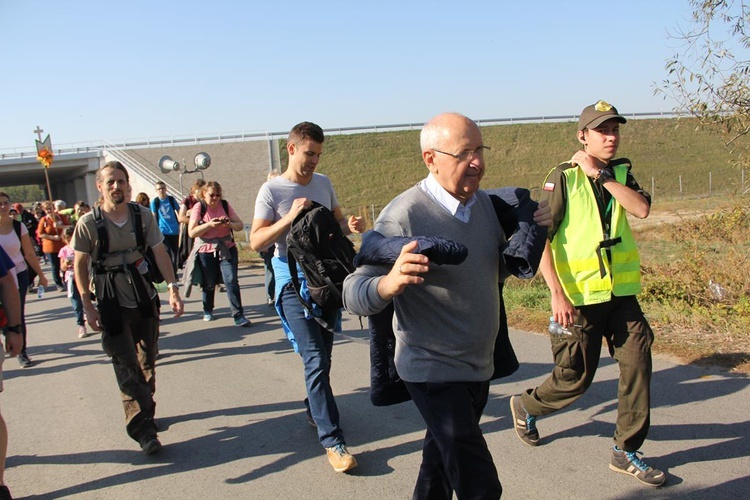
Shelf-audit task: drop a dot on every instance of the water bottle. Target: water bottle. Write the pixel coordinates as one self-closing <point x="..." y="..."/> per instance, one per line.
<point x="40" y="292"/>
<point x="142" y="266"/>
<point x="556" y="328"/>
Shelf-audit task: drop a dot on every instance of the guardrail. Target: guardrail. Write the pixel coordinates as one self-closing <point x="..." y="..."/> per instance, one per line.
<point x="135" y="143"/>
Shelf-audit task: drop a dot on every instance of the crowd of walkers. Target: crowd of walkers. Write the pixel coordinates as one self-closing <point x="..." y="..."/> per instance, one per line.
<point x="110" y="260"/>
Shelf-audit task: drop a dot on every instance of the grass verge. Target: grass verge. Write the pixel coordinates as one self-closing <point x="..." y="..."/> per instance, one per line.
<point x="696" y="288"/>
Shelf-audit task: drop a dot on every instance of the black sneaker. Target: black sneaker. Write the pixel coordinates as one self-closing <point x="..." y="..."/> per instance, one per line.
<point x="5" y="493"/>
<point x="150" y="444"/>
<point x="627" y="462"/>
<point x="524" y="423"/>
<point x="310" y="419"/>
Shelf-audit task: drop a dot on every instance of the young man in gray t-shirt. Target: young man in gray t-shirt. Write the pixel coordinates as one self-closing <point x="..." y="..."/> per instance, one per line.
<point x="279" y="201"/>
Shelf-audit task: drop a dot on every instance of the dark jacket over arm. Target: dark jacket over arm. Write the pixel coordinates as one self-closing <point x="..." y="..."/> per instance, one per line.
<point x="514" y="209"/>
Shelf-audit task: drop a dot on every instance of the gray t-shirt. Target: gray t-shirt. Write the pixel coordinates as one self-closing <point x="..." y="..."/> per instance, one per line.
<point x="445" y="327"/>
<point x="85" y="239"/>
<point x="276" y="196"/>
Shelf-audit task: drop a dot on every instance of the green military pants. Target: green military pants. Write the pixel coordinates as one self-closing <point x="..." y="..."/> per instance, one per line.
<point x="629" y="337"/>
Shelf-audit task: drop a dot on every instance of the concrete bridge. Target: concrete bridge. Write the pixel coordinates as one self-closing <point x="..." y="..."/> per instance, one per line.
<point x="240" y="164"/>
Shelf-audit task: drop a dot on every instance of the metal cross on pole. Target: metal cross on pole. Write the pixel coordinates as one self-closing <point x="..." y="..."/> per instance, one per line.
<point x="38" y="132"/>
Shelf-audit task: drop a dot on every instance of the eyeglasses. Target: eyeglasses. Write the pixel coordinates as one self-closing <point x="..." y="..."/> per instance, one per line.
<point x="467" y="155"/>
<point x="212" y="195"/>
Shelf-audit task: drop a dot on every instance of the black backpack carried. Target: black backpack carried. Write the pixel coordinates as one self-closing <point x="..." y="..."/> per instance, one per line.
<point x="154" y="274"/>
<point x="325" y="255"/>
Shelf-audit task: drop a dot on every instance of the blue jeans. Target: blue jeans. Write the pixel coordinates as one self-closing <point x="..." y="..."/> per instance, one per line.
<point x="54" y="262"/>
<point x="269" y="276"/>
<point x="315" y="345"/>
<point x="77" y="303"/>
<point x="212" y="266"/>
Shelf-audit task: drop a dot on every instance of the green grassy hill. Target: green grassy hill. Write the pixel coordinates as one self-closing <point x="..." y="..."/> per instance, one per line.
<point x="371" y="168"/>
<point x="368" y="170"/>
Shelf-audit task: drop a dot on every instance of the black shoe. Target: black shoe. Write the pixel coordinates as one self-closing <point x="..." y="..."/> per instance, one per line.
<point x="310" y="419"/>
<point x="5" y="493"/>
<point x="150" y="444"/>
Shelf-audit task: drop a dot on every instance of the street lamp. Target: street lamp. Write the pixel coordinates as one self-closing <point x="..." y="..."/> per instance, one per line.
<point x="202" y="161"/>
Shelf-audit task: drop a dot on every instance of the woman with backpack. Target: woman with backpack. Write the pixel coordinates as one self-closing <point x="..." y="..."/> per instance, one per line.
<point x="14" y="238"/>
<point x="211" y="224"/>
<point x="185" y="245"/>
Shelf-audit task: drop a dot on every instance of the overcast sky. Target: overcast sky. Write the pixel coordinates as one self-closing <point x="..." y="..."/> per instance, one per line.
<point x="92" y="70"/>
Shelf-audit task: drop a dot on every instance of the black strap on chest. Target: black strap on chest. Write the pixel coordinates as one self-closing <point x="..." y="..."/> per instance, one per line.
<point x="103" y="236"/>
<point x="17" y="228"/>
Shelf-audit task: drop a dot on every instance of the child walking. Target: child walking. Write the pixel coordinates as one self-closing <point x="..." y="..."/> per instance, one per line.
<point x="66" y="266"/>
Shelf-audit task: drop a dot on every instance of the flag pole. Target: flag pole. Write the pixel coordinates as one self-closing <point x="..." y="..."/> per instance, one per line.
<point x="44" y="155"/>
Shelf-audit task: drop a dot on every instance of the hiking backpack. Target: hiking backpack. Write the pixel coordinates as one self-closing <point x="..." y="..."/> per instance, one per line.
<point x="325" y="255"/>
<point x="154" y="274"/>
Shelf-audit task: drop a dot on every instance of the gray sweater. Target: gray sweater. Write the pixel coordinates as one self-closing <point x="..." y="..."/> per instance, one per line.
<point x="445" y="327"/>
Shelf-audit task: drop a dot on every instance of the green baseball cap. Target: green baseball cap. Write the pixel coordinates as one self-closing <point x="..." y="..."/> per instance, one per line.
<point x="596" y="114"/>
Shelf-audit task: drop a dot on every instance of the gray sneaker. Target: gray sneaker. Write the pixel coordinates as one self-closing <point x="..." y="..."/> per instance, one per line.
<point x="524" y="423"/>
<point x="25" y="361"/>
<point x="627" y="462"/>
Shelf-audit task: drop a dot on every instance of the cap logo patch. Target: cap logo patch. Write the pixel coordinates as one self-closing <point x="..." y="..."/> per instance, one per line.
<point x="602" y="106"/>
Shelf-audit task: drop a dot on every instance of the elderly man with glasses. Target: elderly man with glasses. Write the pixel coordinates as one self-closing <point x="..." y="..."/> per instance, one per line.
<point x="446" y="318"/>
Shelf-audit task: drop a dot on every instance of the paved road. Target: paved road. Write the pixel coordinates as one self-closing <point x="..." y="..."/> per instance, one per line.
<point x="230" y="406"/>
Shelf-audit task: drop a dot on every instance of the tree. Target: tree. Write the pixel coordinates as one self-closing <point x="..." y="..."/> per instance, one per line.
<point x="709" y="77"/>
<point x="24" y="194"/>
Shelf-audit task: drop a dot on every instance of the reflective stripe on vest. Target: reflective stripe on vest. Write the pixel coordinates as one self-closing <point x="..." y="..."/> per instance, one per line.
<point x="577" y="242"/>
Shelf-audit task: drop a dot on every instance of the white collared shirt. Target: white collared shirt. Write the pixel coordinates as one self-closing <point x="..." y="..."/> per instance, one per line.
<point x="438" y="193"/>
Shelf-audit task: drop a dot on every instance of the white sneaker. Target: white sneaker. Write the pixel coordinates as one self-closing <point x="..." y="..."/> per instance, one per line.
<point x="82" y="333"/>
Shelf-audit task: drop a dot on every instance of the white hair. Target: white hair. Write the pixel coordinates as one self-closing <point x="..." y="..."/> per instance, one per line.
<point x="59" y="204"/>
<point x="434" y="131"/>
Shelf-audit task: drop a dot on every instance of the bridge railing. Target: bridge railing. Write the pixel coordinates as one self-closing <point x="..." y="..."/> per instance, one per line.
<point x="149" y="142"/>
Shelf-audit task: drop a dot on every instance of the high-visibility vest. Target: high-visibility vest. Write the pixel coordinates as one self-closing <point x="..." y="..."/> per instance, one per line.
<point x="580" y="250"/>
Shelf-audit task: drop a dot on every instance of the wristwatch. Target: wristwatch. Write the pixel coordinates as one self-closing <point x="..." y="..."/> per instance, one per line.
<point x="14" y="329"/>
<point x="174" y="285"/>
<point x="605" y="175"/>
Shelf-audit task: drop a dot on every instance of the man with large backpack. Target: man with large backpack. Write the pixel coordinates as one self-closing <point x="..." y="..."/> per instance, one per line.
<point x="279" y="202"/>
<point x="166" y="209"/>
<point x="114" y="241"/>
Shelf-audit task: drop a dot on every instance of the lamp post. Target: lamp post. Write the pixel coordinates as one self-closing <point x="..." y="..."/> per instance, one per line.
<point x="202" y="161"/>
